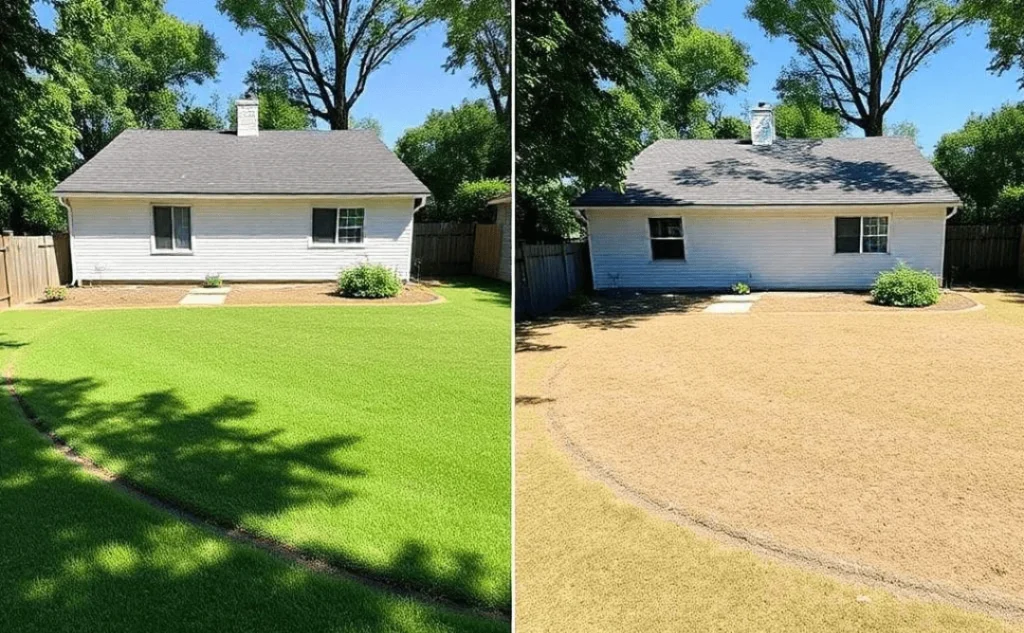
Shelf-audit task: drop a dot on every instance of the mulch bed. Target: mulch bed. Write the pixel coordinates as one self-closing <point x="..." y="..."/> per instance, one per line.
<point x="137" y="296"/>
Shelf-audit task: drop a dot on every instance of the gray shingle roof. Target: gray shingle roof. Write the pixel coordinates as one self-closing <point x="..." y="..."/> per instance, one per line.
<point x="880" y="170"/>
<point x="275" y="162"/>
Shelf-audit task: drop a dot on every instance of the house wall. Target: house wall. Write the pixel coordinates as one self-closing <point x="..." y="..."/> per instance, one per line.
<point x="766" y="248"/>
<point x="241" y="240"/>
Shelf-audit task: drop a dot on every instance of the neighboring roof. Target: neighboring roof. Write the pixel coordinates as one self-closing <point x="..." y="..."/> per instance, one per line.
<point x="878" y="170"/>
<point x="274" y="163"/>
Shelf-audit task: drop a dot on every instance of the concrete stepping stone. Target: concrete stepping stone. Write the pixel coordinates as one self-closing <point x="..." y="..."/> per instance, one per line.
<point x="205" y="297"/>
<point x="729" y="307"/>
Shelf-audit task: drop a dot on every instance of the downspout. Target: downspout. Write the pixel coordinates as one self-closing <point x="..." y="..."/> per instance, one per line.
<point x="71" y="238"/>
<point x="417" y="205"/>
<point x="951" y="211"/>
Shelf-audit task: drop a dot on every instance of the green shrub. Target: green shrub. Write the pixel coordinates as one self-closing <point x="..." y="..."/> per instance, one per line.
<point x="369" y="281"/>
<point x="906" y="288"/>
<point x="55" y="293"/>
<point x="213" y="281"/>
<point x="740" y="288"/>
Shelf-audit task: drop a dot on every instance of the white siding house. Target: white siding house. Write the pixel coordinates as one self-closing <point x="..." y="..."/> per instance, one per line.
<point x="775" y="214"/>
<point x="165" y="206"/>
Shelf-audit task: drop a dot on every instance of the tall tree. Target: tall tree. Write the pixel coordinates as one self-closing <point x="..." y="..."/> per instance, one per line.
<point x="1005" y="34"/>
<point x="864" y="50"/>
<point x="984" y="164"/>
<point x="685" y="69"/>
<point x="465" y="143"/>
<point x="322" y="42"/>
<point x="128" y="66"/>
<point x="803" y="109"/>
<point x="479" y="34"/>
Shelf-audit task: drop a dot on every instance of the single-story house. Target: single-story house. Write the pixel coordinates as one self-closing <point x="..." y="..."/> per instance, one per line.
<point x="178" y="205"/>
<point x="796" y="214"/>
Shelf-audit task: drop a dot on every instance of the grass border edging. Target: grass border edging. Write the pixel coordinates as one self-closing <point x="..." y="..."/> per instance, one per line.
<point x="235" y="533"/>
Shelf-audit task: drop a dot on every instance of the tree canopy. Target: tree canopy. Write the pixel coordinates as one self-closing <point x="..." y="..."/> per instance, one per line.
<point x="479" y="35"/>
<point x="1006" y="33"/>
<point x="863" y="50"/>
<point x="984" y="164"/>
<point x="330" y="48"/>
<point x="803" y="110"/>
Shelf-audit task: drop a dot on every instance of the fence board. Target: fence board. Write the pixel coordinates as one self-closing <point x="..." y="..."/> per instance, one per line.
<point x="487" y="250"/>
<point x="983" y="252"/>
<point x="62" y="253"/>
<point x="29" y="265"/>
<point x="442" y="248"/>
<point x="547" y="274"/>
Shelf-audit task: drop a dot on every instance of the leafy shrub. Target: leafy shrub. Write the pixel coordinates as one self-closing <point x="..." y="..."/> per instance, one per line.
<point x="55" y="293"/>
<point x="468" y="203"/>
<point x="369" y="281"/>
<point x="213" y="281"/>
<point x="905" y="287"/>
<point x="740" y="288"/>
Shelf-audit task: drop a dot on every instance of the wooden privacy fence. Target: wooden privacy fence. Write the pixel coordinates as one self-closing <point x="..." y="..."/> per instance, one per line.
<point x="487" y="250"/>
<point x="27" y="266"/>
<point x="442" y="248"/>
<point x="547" y="274"/>
<point x="986" y="252"/>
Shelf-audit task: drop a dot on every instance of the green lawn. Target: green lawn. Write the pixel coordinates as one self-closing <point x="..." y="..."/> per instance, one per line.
<point x="376" y="437"/>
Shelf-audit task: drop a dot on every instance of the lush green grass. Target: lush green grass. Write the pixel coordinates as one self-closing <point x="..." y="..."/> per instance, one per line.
<point x="376" y="437"/>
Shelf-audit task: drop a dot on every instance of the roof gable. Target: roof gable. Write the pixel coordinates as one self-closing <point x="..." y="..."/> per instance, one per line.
<point x="276" y="162"/>
<point x="880" y="170"/>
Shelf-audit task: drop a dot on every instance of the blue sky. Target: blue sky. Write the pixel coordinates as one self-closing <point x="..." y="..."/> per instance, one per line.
<point x="938" y="98"/>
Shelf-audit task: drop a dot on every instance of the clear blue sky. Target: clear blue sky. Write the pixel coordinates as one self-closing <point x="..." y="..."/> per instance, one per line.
<point x="938" y="98"/>
<point x="398" y="95"/>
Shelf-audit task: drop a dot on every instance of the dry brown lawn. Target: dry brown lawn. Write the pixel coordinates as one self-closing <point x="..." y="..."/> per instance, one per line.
<point x="118" y="296"/>
<point x="892" y="440"/>
<point x="850" y="302"/>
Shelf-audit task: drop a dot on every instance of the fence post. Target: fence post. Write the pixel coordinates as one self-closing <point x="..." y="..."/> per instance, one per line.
<point x="526" y="279"/>
<point x="1020" y="260"/>
<point x="565" y="267"/>
<point x="5" y="246"/>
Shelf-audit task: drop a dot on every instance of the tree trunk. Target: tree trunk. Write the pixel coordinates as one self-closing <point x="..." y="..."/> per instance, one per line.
<point x="339" y="119"/>
<point x="874" y="126"/>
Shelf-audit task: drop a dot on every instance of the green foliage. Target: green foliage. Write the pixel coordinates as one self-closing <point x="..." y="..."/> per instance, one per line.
<point x="466" y="143"/>
<point x="1005" y="33"/>
<point x="469" y="204"/>
<point x="366" y="123"/>
<point x="906" y="129"/>
<point x="543" y="212"/>
<point x="327" y="50"/>
<point x="740" y="288"/>
<point x="984" y="163"/>
<point x="685" y="68"/>
<point x="862" y="50"/>
<point x="728" y="127"/>
<point x="802" y="112"/>
<point x="1009" y="206"/>
<point x="213" y="281"/>
<point x="199" y="118"/>
<point x="479" y="33"/>
<point x="369" y="281"/>
<point x="126" y="66"/>
<point x="906" y="288"/>
<point x="569" y="124"/>
<point x="55" y="293"/>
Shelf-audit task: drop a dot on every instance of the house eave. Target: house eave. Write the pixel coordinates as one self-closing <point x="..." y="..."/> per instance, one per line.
<point x="236" y="196"/>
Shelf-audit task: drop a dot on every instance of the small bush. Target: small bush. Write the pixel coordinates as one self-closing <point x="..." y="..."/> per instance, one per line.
<point x="369" y="281"/>
<point x="740" y="288"/>
<point x="55" y="293"/>
<point x="213" y="281"/>
<point x="906" y="288"/>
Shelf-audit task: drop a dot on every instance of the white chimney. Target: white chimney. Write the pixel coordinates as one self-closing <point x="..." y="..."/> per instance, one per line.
<point x="762" y="124"/>
<point x="247" y="116"/>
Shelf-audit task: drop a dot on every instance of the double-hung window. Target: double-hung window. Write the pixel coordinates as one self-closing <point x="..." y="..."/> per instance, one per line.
<point x="338" y="226"/>
<point x="172" y="229"/>
<point x="862" y="235"/>
<point x="667" y="238"/>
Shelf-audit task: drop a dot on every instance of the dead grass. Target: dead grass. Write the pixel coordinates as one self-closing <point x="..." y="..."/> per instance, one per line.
<point x="117" y="296"/>
<point x="793" y="302"/>
<point x="890" y="441"/>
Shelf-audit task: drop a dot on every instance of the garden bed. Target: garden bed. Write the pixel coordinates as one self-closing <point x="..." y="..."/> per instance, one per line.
<point x="850" y="302"/>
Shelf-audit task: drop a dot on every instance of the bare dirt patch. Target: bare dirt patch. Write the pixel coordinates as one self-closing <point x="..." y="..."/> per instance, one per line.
<point x="794" y="302"/>
<point x="117" y="297"/>
<point x="894" y="443"/>
<point x="317" y="294"/>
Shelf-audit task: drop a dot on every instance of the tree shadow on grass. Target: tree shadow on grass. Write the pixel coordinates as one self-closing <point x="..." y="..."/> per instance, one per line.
<point x="490" y="290"/>
<point x="79" y="554"/>
<point x="209" y="463"/>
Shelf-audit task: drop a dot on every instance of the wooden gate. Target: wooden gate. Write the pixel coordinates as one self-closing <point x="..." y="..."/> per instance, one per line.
<point x="487" y="250"/>
<point x="27" y="266"/>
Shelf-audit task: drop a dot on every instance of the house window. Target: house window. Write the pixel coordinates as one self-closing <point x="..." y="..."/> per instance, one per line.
<point x="172" y="228"/>
<point x="862" y="235"/>
<point x="667" y="238"/>
<point x="338" y="226"/>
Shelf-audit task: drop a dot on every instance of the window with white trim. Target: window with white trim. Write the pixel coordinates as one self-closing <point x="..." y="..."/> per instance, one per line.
<point x="172" y="229"/>
<point x="338" y="226"/>
<point x="862" y="234"/>
<point x="667" y="238"/>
